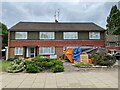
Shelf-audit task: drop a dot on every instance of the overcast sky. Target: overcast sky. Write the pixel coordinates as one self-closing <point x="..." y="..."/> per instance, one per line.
<point x="96" y="12"/>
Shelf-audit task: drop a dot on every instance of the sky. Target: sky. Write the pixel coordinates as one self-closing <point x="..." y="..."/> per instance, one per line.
<point x="14" y="12"/>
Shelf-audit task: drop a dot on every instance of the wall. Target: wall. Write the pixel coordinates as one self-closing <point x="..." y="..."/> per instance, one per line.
<point x="59" y="51"/>
<point x="11" y="52"/>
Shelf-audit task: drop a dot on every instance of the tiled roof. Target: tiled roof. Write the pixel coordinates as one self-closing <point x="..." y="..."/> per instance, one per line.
<point x="52" y="26"/>
<point x="112" y="38"/>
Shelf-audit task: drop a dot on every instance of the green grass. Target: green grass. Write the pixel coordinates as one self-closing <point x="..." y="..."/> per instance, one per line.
<point x="4" y="65"/>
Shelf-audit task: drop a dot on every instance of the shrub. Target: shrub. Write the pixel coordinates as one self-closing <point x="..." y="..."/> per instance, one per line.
<point x="32" y="68"/>
<point x="82" y="64"/>
<point x="49" y="64"/>
<point x="57" y="62"/>
<point x="57" y="68"/>
<point x="37" y="64"/>
<point x="17" y="65"/>
<point x="104" y="59"/>
<point x="107" y="60"/>
<point x="40" y="58"/>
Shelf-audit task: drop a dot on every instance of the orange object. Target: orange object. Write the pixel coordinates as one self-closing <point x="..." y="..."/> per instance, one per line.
<point x="90" y="61"/>
<point x="68" y="53"/>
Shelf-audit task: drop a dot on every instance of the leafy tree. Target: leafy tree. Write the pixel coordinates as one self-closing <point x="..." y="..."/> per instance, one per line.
<point x="113" y="21"/>
<point x="3" y="29"/>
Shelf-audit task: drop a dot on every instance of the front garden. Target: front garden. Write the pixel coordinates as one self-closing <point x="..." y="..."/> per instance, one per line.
<point x="44" y="64"/>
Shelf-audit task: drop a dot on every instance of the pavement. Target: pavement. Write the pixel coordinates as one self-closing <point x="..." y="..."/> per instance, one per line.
<point x="87" y="79"/>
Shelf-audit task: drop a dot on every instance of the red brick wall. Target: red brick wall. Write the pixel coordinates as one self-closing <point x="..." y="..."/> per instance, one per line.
<point x="113" y="48"/>
<point x="15" y="43"/>
<point x="59" y="51"/>
<point x="11" y="52"/>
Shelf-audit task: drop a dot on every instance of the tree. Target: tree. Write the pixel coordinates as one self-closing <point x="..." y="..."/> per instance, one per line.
<point x="113" y="21"/>
<point x="3" y="29"/>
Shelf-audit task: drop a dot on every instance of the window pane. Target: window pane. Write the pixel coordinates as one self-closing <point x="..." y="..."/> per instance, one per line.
<point x="18" y="51"/>
<point x="70" y="35"/>
<point x="46" y="35"/>
<point x="21" y="35"/>
<point x="47" y="50"/>
<point x="94" y="35"/>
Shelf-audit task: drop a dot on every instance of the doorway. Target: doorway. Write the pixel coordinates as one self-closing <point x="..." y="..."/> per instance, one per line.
<point x="30" y="52"/>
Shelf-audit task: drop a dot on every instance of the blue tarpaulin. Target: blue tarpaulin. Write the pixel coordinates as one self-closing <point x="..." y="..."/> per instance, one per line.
<point x="76" y="53"/>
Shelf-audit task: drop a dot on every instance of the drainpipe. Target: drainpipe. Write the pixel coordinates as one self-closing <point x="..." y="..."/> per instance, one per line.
<point x="6" y="52"/>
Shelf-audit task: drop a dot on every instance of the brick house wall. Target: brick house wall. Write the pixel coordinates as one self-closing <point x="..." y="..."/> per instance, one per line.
<point x="59" y="43"/>
<point x="113" y="43"/>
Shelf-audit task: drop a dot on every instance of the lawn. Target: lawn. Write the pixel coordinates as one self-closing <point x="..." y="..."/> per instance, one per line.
<point x="4" y="65"/>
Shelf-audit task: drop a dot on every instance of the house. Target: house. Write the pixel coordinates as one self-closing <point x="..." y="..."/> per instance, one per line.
<point x="113" y="43"/>
<point x="29" y="39"/>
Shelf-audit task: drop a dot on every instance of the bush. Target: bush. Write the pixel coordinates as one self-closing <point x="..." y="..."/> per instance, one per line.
<point x="49" y="64"/>
<point x="104" y="59"/>
<point x="107" y="60"/>
<point x="57" y="62"/>
<point x="37" y="64"/>
<point x="57" y="68"/>
<point x="17" y="65"/>
<point x="32" y="68"/>
<point x="82" y="64"/>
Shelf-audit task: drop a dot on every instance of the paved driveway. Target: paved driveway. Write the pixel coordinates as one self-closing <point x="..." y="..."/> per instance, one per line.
<point x="87" y="79"/>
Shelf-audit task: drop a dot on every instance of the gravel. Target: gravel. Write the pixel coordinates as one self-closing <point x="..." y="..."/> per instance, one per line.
<point x="68" y="67"/>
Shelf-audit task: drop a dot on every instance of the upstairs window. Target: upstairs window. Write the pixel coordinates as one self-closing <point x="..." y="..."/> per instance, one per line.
<point x="18" y="51"/>
<point x="21" y="35"/>
<point x="94" y="35"/>
<point x="70" y="35"/>
<point x="47" y="50"/>
<point x="47" y="35"/>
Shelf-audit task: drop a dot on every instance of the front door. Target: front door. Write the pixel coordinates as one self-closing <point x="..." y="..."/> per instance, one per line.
<point x="30" y="52"/>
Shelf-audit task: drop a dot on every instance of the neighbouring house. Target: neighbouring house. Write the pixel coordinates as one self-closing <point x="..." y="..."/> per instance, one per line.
<point x="0" y="46"/>
<point x="29" y="39"/>
<point x="113" y="43"/>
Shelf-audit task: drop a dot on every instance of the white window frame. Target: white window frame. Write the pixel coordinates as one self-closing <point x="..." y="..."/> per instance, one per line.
<point x="20" y="37"/>
<point x="53" y="37"/>
<point x="19" y="52"/>
<point x="91" y="33"/>
<point x="66" y="33"/>
<point x="43" y="53"/>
